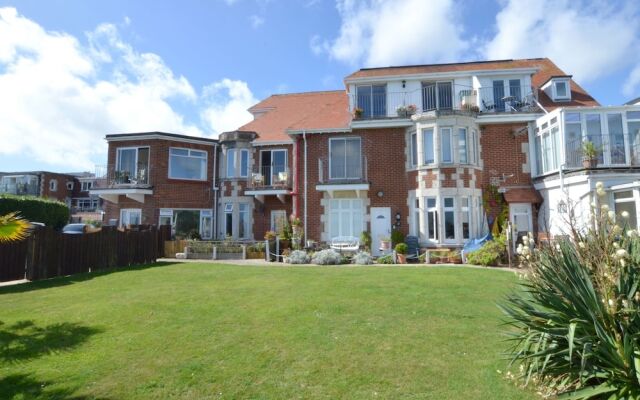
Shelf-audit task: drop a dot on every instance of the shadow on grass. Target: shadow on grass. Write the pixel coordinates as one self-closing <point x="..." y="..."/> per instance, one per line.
<point x="25" y="340"/>
<point x="25" y="386"/>
<point x="69" y="280"/>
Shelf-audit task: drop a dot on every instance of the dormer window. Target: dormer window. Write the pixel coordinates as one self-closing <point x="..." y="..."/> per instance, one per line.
<point x="561" y="89"/>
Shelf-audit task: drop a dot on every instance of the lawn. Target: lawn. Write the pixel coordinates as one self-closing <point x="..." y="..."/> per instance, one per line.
<point x="202" y="331"/>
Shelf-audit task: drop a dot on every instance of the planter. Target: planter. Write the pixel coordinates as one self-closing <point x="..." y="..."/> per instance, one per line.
<point x="256" y="255"/>
<point x="385" y="244"/>
<point x="401" y="258"/>
<point x="589" y="163"/>
<point x="402" y="113"/>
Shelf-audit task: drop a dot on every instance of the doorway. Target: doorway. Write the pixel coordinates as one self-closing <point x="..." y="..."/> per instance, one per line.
<point x="380" y="227"/>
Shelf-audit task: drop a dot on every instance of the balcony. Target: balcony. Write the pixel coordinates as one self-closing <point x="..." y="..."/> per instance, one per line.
<point x="269" y="180"/>
<point x="339" y="175"/>
<point x="444" y="99"/>
<point x="20" y="189"/>
<point x="111" y="182"/>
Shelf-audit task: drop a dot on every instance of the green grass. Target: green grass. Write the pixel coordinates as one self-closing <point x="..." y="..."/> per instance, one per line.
<point x="201" y="331"/>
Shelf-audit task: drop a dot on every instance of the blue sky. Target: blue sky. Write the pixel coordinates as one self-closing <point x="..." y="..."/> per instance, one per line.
<point x="73" y="71"/>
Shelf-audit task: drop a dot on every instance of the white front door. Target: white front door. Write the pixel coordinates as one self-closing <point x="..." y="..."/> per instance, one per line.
<point x="380" y="227"/>
<point x="521" y="220"/>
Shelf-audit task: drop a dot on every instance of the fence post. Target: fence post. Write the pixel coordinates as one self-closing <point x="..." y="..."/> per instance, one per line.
<point x="277" y="247"/>
<point x="267" y="253"/>
<point x="214" y="256"/>
<point x="244" y="251"/>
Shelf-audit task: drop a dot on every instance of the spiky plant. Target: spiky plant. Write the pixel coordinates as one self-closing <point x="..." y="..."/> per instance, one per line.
<point x="13" y="228"/>
<point x="576" y="321"/>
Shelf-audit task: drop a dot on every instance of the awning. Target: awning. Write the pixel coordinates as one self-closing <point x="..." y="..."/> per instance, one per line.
<point x="522" y="195"/>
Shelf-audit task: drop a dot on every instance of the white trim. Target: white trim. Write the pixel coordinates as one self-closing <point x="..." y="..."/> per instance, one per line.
<point x="380" y="123"/>
<point x="257" y="143"/>
<point x="268" y="192"/>
<point x="503" y="118"/>
<point x="304" y="131"/>
<point x="159" y="137"/>
<point x="124" y="191"/>
<point x="438" y="75"/>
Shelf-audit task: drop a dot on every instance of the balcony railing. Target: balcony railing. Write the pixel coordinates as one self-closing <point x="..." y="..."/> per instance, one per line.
<point x="457" y="99"/>
<point x="109" y="176"/>
<point x="270" y="178"/>
<point x="22" y="189"/>
<point x="339" y="172"/>
<point x="611" y="152"/>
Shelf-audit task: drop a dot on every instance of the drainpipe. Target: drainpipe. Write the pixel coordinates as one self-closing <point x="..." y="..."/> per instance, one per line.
<point x="215" y="193"/>
<point x="295" y="200"/>
<point x="304" y="138"/>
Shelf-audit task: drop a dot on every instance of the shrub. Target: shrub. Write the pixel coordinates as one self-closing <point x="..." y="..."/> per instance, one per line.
<point x="396" y="237"/>
<point x="50" y="212"/>
<point x="298" y="257"/>
<point x="257" y="247"/>
<point x="491" y="253"/>
<point x="327" y="257"/>
<point x="365" y="239"/>
<point x="577" y="320"/>
<point x="388" y="259"/>
<point x="402" y="248"/>
<point x="362" y="258"/>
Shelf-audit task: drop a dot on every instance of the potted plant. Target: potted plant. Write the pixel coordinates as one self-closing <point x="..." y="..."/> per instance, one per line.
<point x="365" y="240"/>
<point x="589" y="154"/>
<point x="401" y="110"/>
<point x="411" y="109"/>
<point x="270" y="235"/>
<point x="385" y="243"/>
<point x="358" y="112"/>
<point x="401" y="252"/>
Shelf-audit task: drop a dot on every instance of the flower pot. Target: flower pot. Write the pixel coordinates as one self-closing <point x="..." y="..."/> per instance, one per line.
<point x="589" y="163"/>
<point x="402" y="258"/>
<point x="385" y="244"/>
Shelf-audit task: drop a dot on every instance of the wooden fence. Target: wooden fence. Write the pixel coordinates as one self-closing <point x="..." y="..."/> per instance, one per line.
<point x="47" y="253"/>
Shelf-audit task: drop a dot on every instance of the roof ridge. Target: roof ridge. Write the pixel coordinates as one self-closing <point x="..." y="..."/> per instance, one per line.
<point x="454" y="63"/>
<point x="308" y="92"/>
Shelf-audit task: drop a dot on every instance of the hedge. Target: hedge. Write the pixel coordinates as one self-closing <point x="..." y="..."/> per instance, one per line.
<point x="50" y="212"/>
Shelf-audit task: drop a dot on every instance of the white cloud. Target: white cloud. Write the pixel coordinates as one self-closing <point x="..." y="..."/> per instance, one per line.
<point x="256" y="21"/>
<point x="392" y="32"/>
<point x="631" y="86"/>
<point x="588" y="40"/>
<point x="227" y="102"/>
<point x="58" y="97"/>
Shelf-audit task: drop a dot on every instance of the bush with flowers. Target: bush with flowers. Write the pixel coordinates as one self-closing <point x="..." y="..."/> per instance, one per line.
<point x="576" y="323"/>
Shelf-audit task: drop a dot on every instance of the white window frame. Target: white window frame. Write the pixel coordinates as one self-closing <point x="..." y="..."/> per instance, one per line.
<point x="466" y="210"/>
<point x="271" y="171"/>
<point x="446" y="130"/>
<point x="451" y="209"/>
<point x="137" y="149"/>
<point x="425" y="158"/>
<point x="434" y="219"/>
<point x="53" y="185"/>
<point x="69" y="185"/>
<point x="349" y="212"/>
<point x="554" y="89"/>
<point x="413" y="148"/>
<point x="346" y="172"/>
<point x="205" y="158"/>
<point x="86" y="186"/>
<point x="128" y="212"/>
<point x="462" y="133"/>
<point x="275" y="214"/>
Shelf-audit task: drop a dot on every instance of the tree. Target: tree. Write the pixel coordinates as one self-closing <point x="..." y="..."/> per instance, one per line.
<point x="13" y="228"/>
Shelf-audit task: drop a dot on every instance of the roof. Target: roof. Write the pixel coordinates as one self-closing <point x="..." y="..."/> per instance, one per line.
<point x="522" y="195"/>
<point x="633" y="102"/>
<point x="159" y="135"/>
<point x="278" y="114"/>
<point x="546" y="69"/>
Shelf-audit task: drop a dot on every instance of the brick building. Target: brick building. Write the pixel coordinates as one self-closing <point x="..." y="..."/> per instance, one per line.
<point x="430" y="150"/>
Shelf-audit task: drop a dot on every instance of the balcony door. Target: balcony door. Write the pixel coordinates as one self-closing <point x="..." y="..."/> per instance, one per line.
<point x="273" y="166"/>
<point x="507" y="94"/>
<point x="132" y="163"/>
<point x="372" y="100"/>
<point x="437" y="96"/>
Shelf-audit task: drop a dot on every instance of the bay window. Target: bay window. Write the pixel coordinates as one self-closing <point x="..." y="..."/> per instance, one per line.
<point x="465" y="217"/>
<point x="616" y="139"/>
<point x="594" y="133"/>
<point x="346" y="217"/>
<point x="414" y="149"/>
<point x="625" y="201"/>
<point x="228" y="219"/>
<point x="243" y="221"/>
<point x="345" y="161"/>
<point x="187" y="164"/>
<point x="573" y="139"/>
<point x="633" y="129"/>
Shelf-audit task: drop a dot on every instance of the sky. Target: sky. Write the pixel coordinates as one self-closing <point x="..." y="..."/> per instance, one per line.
<point x="74" y="71"/>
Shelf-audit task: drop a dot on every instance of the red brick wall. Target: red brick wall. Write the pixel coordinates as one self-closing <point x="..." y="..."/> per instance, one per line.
<point x="62" y="193"/>
<point x="385" y="152"/>
<point x="167" y="193"/>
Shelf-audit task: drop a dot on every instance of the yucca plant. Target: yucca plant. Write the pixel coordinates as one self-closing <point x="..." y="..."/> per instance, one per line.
<point x="13" y="228"/>
<point x="576" y="319"/>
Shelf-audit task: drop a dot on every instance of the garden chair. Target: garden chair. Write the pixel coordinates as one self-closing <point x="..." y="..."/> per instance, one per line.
<point x="488" y="107"/>
<point x="257" y="179"/>
<point x="413" y="251"/>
